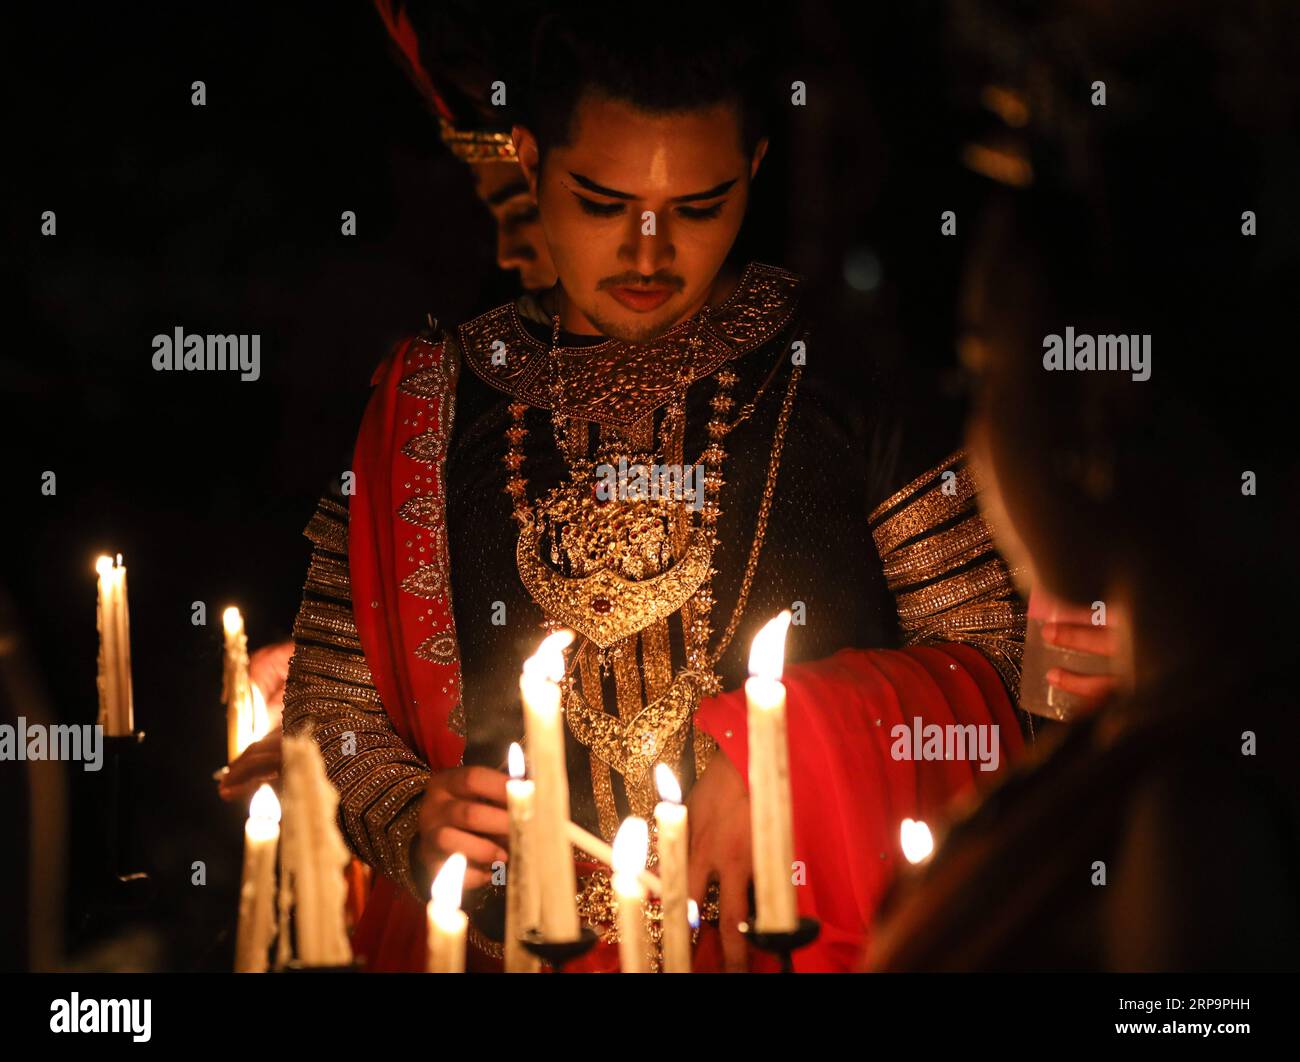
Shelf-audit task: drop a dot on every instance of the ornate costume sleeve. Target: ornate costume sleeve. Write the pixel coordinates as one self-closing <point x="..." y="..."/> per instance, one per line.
<point x="949" y="583"/>
<point x="331" y="694"/>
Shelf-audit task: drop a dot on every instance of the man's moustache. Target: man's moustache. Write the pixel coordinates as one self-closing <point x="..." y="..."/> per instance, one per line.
<point x="636" y="280"/>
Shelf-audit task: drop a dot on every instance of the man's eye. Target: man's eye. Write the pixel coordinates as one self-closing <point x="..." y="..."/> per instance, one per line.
<point x="701" y="213"/>
<point x="600" y="210"/>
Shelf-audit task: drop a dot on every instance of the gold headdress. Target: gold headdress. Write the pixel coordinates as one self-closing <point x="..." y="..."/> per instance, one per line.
<point x="452" y="58"/>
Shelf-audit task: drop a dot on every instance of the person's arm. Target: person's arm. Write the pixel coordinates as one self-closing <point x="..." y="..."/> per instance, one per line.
<point x="948" y="581"/>
<point x="330" y="693"/>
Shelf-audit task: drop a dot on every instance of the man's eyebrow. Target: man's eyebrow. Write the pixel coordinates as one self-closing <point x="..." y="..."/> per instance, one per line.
<point x="507" y="192"/>
<point x="600" y="189"/>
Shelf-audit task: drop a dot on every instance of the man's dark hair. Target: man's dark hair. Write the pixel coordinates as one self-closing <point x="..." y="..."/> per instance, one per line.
<point x="699" y="62"/>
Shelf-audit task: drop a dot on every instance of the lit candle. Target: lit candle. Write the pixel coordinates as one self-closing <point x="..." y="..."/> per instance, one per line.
<point x="544" y="727"/>
<point x="236" y="688"/>
<point x="670" y="819"/>
<point x="447" y="922"/>
<point x="915" y="839"/>
<point x="630" y="847"/>
<point x="769" y="782"/>
<point x="116" y="712"/>
<point x="523" y="902"/>
<point x="257" y="885"/>
<point x="603" y="852"/>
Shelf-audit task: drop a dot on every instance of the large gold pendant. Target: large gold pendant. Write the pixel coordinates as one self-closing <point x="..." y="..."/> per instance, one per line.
<point x="633" y="746"/>
<point x="605" y="607"/>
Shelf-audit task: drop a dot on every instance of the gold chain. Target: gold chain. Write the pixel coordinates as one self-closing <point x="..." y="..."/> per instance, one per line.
<point x="764" y="509"/>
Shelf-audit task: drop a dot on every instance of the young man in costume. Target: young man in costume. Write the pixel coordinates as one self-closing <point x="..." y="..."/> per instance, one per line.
<point x="477" y="523"/>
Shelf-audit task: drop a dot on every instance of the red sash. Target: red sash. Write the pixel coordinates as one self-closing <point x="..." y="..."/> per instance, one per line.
<point x="401" y="596"/>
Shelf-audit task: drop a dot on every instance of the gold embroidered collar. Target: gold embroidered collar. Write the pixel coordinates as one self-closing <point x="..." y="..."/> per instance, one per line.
<point x="507" y="356"/>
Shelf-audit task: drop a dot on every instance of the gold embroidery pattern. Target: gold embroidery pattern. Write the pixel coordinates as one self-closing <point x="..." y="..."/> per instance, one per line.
<point x="649" y="374"/>
<point x="628" y="606"/>
<point x="633" y="746"/>
<point x="438" y="648"/>
<point x="423" y="511"/>
<point x="330" y="693"/>
<point x="433" y="381"/>
<point x="939" y="561"/>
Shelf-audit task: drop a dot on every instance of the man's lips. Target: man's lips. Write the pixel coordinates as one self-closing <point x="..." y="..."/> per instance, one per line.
<point x="641" y="300"/>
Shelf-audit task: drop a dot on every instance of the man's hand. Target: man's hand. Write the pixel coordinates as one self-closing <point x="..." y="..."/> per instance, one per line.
<point x="718" y="809"/>
<point x="464" y="810"/>
<point x="257" y="764"/>
<point x="1086" y="638"/>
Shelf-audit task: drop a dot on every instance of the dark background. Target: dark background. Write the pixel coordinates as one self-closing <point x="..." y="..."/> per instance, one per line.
<point x="225" y="218"/>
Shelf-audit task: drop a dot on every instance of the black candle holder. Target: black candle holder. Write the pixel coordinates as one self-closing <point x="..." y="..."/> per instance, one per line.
<point x="556" y="953"/>
<point x="127" y="886"/>
<point x="783" y="944"/>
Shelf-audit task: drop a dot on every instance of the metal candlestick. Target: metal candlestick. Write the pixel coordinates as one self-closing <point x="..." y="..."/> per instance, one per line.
<point x="783" y="944"/>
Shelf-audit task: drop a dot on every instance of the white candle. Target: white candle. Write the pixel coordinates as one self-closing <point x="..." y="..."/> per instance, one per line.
<point x="315" y="855"/>
<point x="769" y="782"/>
<point x="447" y="922"/>
<point x="602" y="851"/>
<point x="257" y="885"/>
<point x="235" y="685"/>
<point x="116" y="709"/>
<point x="544" y="727"/>
<point x="523" y="902"/>
<point x="630" y="847"/>
<point x="670" y="820"/>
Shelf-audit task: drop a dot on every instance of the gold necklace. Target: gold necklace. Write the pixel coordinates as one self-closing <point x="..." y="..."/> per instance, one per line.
<point x="663" y="594"/>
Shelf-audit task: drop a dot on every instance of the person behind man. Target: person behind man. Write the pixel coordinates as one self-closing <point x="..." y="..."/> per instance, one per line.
<point x="442" y="46"/>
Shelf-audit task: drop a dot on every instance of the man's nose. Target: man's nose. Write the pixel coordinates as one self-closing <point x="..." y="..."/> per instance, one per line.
<point x="650" y="246"/>
<point x="512" y="252"/>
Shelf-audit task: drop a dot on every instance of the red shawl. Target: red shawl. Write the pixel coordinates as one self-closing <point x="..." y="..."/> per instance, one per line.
<point x="849" y="794"/>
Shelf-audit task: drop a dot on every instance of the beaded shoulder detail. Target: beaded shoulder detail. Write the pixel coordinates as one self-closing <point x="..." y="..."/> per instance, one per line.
<point x="500" y="350"/>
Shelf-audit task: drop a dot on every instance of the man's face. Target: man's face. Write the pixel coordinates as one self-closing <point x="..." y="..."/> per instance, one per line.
<point x="640" y="211"/>
<point x="521" y="243"/>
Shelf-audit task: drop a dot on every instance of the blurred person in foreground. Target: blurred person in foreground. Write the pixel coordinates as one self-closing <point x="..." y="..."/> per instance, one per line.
<point x="1162" y="831"/>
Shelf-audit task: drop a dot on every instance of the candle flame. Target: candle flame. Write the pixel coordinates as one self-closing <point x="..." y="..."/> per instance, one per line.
<point x="261" y="716"/>
<point x="264" y="805"/>
<point x="119" y="560"/>
<point x="543" y="671"/>
<point x="449" y="884"/>
<point x="916" y="840"/>
<point x="666" y="781"/>
<point x="232" y="620"/>
<point x="631" y="846"/>
<point x="104" y="565"/>
<point x="767" y="651"/>
<point x="548" y="661"/>
<point x="516" y="760"/>
<point x="693" y="914"/>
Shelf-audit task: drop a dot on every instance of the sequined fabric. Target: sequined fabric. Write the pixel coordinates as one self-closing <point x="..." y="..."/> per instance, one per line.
<point x="329" y="693"/>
